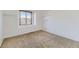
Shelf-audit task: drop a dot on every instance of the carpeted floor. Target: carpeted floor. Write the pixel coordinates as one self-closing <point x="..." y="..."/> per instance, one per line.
<point x="39" y="39"/>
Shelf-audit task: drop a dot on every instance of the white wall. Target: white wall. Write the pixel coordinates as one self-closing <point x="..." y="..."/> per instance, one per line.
<point x="64" y="23"/>
<point x="1" y="28"/>
<point x="11" y="24"/>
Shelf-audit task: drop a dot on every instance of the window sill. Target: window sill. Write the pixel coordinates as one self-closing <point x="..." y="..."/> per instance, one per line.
<point x="21" y="26"/>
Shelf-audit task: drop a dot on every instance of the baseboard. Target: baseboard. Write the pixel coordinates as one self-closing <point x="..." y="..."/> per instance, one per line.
<point x="22" y="34"/>
<point x="42" y="30"/>
<point x="62" y="36"/>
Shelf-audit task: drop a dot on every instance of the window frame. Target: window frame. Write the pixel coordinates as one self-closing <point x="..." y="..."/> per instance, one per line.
<point x="26" y="17"/>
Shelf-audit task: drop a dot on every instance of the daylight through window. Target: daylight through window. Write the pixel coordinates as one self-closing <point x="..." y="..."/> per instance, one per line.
<point x="25" y="17"/>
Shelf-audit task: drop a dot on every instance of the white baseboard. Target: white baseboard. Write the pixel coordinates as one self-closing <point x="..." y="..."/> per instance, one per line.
<point x="62" y="36"/>
<point x="22" y="33"/>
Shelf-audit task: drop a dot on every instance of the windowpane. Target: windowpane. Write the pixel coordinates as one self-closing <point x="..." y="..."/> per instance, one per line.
<point x="25" y="17"/>
<point x="29" y="18"/>
<point x="28" y="15"/>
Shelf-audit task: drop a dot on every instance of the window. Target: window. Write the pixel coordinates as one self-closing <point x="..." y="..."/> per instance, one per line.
<point x="25" y="17"/>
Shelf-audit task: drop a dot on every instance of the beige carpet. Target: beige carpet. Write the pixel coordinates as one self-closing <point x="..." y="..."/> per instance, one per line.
<point x="39" y="39"/>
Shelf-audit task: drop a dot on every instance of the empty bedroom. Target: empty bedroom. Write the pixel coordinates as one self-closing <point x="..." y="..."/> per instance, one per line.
<point x="39" y="28"/>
